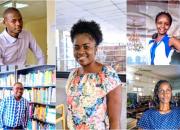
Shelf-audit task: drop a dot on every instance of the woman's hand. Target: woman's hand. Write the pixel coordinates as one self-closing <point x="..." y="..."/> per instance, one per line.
<point x="175" y="42"/>
<point x="114" y="107"/>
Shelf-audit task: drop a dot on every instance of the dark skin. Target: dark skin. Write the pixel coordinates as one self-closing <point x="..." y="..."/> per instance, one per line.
<point x="164" y="94"/>
<point x="114" y="107"/>
<point x="14" y="23"/>
<point x="163" y="25"/>
<point x="84" y="52"/>
<point x="18" y="90"/>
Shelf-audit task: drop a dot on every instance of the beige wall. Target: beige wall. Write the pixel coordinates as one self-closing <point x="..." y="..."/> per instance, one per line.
<point x="51" y="39"/>
<point x="38" y="28"/>
<point x="1" y="28"/>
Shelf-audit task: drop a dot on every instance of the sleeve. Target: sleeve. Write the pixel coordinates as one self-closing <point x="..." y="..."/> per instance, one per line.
<point x="111" y="80"/>
<point x="27" y="115"/>
<point x="143" y="123"/>
<point x="36" y="50"/>
<point x="1" y="57"/>
<point x="148" y="54"/>
<point x="2" y="108"/>
<point x="68" y="82"/>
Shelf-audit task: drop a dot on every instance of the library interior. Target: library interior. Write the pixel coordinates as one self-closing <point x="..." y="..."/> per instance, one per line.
<point x="141" y="81"/>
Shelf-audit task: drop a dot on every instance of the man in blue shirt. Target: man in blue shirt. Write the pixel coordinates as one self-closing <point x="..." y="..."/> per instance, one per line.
<point x="14" y="109"/>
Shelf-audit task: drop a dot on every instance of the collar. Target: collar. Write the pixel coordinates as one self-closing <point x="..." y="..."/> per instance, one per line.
<point x="163" y="39"/>
<point x="11" y="39"/>
<point x="15" y="98"/>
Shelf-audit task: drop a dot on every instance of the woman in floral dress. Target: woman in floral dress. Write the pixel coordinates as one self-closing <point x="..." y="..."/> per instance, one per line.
<point x="93" y="90"/>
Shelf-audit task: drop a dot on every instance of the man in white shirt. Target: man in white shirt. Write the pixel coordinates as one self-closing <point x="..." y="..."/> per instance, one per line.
<point x="15" y="42"/>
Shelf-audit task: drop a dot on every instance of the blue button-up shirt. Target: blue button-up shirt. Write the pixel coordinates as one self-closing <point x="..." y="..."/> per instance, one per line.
<point x="14" y="113"/>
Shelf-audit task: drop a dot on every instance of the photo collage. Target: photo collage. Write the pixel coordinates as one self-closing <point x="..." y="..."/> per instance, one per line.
<point x="89" y="64"/>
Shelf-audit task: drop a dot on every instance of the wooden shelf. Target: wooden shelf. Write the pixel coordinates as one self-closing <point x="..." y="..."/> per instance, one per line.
<point x="42" y="121"/>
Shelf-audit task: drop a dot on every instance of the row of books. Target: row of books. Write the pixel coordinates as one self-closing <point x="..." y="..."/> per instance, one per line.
<point x="5" y="93"/>
<point x="44" y="78"/>
<point x="7" y="80"/>
<point x="42" y="113"/>
<point x="6" y="68"/>
<point x="35" y="125"/>
<point x="41" y="95"/>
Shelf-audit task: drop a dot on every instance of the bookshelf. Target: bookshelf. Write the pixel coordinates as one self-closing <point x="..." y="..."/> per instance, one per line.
<point x="175" y="102"/>
<point x="40" y="84"/>
<point x="39" y="89"/>
<point x="7" y="79"/>
<point x="145" y="98"/>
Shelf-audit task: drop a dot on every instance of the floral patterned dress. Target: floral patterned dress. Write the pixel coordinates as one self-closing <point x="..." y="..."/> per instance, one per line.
<point x="86" y="99"/>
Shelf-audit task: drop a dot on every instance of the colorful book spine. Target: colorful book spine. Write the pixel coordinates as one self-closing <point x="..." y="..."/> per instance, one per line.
<point x="46" y="78"/>
<point x="35" y="125"/>
<point x="7" y="81"/>
<point x="51" y="115"/>
<point x="41" y="95"/>
<point x="42" y="113"/>
<point x="5" y="93"/>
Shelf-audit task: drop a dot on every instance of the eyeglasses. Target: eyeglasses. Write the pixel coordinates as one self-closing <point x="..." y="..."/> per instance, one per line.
<point x="18" y="88"/>
<point x="168" y="91"/>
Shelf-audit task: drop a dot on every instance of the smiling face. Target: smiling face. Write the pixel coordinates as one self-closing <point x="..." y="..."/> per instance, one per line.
<point x="18" y="90"/>
<point x="84" y="49"/>
<point x="163" y="24"/>
<point x="14" y="23"/>
<point x="164" y="93"/>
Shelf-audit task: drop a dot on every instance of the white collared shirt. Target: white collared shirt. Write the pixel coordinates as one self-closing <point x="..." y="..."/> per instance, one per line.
<point x="13" y="51"/>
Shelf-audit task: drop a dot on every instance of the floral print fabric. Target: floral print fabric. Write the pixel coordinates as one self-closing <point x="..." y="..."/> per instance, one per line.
<point x="86" y="99"/>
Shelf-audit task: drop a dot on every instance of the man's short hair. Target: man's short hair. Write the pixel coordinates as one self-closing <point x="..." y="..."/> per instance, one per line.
<point x="18" y="83"/>
<point x="9" y="10"/>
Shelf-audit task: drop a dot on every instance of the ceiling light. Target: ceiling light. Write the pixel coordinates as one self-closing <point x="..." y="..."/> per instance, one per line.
<point x="137" y="77"/>
<point x="134" y="89"/>
<point x="139" y="89"/>
<point x="140" y="94"/>
<point x="18" y="5"/>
